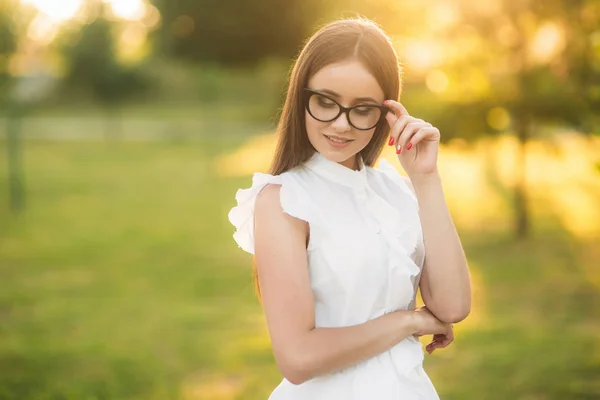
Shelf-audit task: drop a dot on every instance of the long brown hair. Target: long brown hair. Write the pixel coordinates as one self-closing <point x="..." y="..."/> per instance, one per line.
<point x="346" y="39"/>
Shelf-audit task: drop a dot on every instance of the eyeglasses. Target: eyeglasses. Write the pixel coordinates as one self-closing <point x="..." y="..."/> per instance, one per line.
<point x="325" y="109"/>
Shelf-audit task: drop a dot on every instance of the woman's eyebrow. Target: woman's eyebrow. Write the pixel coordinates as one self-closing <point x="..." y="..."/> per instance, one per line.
<point x="334" y="94"/>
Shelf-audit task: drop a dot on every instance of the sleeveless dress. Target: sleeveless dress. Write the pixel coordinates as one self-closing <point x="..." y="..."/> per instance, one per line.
<point x="365" y="257"/>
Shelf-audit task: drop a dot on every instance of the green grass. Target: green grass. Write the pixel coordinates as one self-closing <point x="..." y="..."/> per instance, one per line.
<point x="121" y="281"/>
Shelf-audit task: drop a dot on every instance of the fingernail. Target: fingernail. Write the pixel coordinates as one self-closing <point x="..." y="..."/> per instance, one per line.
<point x="399" y="150"/>
<point x="409" y="146"/>
<point x="391" y="142"/>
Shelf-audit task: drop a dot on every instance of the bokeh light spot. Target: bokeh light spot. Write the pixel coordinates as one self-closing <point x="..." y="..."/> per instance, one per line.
<point x="437" y="81"/>
<point x="498" y="118"/>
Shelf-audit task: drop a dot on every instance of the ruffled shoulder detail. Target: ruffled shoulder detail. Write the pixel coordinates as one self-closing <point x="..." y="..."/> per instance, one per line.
<point x="242" y="215"/>
<point x="393" y="176"/>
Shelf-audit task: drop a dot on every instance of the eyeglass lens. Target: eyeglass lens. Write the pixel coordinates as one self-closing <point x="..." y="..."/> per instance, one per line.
<point x="326" y="110"/>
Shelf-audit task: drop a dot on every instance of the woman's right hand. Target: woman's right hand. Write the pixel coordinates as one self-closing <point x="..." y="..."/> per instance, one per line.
<point x="425" y="323"/>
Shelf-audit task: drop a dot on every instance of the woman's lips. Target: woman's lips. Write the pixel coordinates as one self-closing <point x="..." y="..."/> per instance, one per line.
<point x="337" y="141"/>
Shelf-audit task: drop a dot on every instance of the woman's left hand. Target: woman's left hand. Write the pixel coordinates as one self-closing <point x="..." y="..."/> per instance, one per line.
<point x="440" y="341"/>
<point x="416" y="141"/>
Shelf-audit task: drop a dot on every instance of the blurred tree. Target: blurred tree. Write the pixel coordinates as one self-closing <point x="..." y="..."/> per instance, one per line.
<point x="547" y="75"/>
<point x="95" y="70"/>
<point x="531" y="63"/>
<point x="236" y="32"/>
<point x="7" y="46"/>
<point x="582" y="57"/>
<point x="532" y="60"/>
<point x="535" y="61"/>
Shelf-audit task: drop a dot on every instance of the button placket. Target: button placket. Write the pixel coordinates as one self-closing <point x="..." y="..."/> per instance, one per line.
<point x="361" y="195"/>
<point x="371" y="221"/>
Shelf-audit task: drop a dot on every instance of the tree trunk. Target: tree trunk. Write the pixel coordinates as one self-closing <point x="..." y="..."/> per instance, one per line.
<point x="523" y="127"/>
<point x="14" y="154"/>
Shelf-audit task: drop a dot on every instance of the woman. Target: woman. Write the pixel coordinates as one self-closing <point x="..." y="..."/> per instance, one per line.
<point x="341" y="247"/>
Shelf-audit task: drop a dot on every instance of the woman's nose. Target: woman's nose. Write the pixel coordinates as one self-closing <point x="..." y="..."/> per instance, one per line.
<point x="341" y="123"/>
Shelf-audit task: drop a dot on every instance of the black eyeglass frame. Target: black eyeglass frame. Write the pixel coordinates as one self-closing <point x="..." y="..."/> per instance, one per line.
<point x="308" y="93"/>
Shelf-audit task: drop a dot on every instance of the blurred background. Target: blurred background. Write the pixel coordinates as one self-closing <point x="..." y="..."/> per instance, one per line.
<point x="126" y="127"/>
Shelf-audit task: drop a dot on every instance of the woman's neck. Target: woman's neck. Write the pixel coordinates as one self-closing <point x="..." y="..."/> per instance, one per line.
<point x="351" y="163"/>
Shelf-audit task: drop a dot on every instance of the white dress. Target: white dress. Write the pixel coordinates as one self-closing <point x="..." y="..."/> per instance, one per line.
<point x="365" y="257"/>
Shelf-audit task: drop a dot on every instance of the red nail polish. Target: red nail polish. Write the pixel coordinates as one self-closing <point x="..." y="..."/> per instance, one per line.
<point x="391" y="142"/>
<point x="409" y="146"/>
<point x="399" y="150"/>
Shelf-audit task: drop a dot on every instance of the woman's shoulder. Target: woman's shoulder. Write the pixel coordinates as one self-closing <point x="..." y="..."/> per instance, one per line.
<point x="287" y="189"/>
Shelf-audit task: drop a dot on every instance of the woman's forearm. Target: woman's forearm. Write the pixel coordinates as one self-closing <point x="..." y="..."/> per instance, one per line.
<point x="327" y="350"/>
<point x="446" y="274"/>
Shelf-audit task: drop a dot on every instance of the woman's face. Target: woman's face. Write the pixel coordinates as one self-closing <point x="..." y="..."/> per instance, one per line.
<point x="349" y="83"/>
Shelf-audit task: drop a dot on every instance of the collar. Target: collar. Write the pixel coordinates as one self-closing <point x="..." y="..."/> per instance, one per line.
<point x="338" y="173"/>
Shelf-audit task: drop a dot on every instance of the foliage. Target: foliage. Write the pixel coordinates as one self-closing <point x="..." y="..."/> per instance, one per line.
<point x="7" y="45"/>
<point x="235" y="32"/>
<point x="95" y="70"/>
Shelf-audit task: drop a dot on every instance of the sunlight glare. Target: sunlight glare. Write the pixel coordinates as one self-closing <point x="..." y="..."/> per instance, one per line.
<point x="443" y="16"/>
<point x="42" y="29"/>
<point x="421" y="54"/>
<point x="437" y="81"/>
<point x="132" y="44"/>
<point x="254" y="156"/>
<point x="132" y="10"/>
<point x="548" y="42"/>
<point x="57" y="10"/>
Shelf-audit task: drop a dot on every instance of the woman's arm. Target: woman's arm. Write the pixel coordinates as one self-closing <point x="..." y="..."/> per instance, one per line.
<point x="445" y="282"/>
<point x="301" y="350"/>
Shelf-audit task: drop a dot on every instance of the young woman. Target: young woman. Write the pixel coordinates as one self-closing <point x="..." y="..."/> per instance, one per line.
<point x="341" y="247"/>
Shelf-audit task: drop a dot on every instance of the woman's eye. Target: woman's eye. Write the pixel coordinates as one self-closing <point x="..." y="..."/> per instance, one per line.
<point x="325" y="102"/>
<point x="364" y="110"/>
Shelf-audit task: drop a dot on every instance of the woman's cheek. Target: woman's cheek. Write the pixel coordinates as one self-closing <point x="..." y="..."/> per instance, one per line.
<point x="312" y="129"/>
<point x="365" y="138"/>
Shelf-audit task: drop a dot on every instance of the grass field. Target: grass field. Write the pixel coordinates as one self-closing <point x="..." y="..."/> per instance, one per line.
<point x="121" y="280"/>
